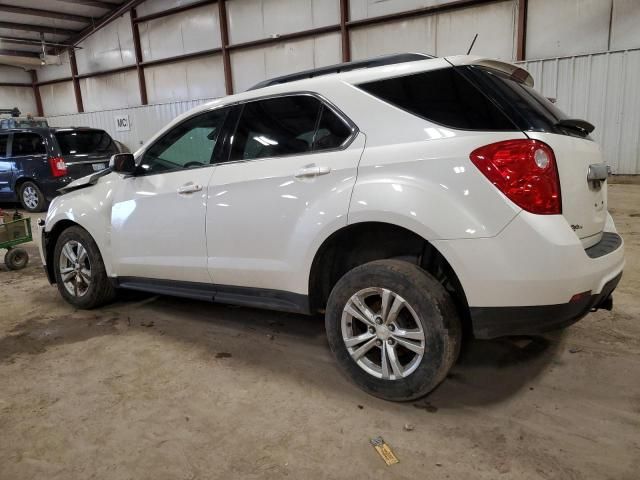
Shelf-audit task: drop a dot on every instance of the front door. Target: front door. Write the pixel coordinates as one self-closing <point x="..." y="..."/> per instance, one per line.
<point x="288" y="178"/>
<point x="158" y="216"/>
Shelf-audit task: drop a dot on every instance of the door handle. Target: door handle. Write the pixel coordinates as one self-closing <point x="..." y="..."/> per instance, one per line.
<point x="189" y="188"/>
<point x="312" y="171"/>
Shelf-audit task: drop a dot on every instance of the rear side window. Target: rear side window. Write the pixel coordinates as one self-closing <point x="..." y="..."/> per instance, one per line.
<point x="332" y="131"/>
<point x="290" y="125"/>
<point x="441" y="96"/>
<point x="3" y="145"/>
<point x="27" y="144"/>
<point x="276" y="127"/>
<point x="82" y="142"/>
<point x="528" y="109"/>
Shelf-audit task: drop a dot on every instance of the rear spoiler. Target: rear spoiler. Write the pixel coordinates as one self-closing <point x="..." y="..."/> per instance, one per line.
<point x="514" y="71"/>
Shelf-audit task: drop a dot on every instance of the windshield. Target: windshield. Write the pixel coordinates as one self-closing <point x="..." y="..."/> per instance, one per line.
<point x="82" y="142"/>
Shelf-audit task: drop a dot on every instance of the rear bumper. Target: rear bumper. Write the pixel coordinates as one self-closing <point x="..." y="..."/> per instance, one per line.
<point x="492" y="322"/>
<point x="50" y="186"/>
<point x="524" y="280"/>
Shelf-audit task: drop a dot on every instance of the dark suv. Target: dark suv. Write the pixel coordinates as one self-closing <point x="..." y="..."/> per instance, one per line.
<point x="36" y="162"/>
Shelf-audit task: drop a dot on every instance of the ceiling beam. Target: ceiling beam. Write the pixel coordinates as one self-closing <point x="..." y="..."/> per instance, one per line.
<point x="37" y="28"/>
<point x="174" y="10"/>
<point x="419" y="12"/>
<point x="18" y="53"/>
<point x="104" y="20"/>
<point x="33" y="42"/>
<point x="36" y="12"/>
<point x="92" y="3"/>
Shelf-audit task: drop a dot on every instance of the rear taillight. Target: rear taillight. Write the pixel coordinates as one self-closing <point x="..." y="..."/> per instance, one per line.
<point x="525" y="171"/>
<point x="58" y="167"/>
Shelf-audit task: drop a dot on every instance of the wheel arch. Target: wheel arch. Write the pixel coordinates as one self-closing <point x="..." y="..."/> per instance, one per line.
<point x="49" y="244"/>
<point x="359" y="243"/>
<point x="22" y="180"/>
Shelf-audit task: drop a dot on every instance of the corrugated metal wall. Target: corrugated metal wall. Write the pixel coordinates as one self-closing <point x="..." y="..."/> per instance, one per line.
<point x="144" y="121"/>
<point x="600" y="87"/>
<point x="603" y="89"/>
<point x="21" y="97"/>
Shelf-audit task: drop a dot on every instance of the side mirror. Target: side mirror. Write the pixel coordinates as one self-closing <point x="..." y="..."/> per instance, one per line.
<point x="123" y="163"/>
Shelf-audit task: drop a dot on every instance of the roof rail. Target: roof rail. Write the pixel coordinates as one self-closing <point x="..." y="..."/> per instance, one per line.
<point x="344" y="67"/>
<point x="14" y="112"/>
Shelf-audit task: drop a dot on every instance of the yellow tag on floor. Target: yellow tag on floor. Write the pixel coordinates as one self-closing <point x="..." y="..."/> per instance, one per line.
<point x="384" y="451"/>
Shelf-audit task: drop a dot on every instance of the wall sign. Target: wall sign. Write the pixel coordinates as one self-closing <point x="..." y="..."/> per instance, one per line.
<point x="122" y="123"/>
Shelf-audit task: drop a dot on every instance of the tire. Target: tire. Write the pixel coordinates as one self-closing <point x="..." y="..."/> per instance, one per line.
<point x="32" y="198"/>
<point x="427" y="318"/>
<point x="85" y="284"/>
<point x="16" y="259"/>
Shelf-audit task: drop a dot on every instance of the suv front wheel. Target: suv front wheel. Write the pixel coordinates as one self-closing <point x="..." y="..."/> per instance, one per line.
<point x="80" y="274"/>
<point x="393" y="329"/>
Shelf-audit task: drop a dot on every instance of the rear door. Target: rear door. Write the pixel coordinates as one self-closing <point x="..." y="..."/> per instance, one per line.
<point x="287" y="180"/>
<point x="85" y="150"/>
<point x="6" y="168"/>
<point x="584" y="201"/>
<point x="29" y="156"/>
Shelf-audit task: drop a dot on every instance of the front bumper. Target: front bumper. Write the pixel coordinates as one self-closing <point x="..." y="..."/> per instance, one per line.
<point x="492" y="322"/>
<point x="42" y="249"/>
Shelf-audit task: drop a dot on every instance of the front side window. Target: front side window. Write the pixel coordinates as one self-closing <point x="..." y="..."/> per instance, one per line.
<point x="83" y="142"/>
<point x="3" y="145"/>
<point x="189" y="145"/>
<point x="27" y="144"/>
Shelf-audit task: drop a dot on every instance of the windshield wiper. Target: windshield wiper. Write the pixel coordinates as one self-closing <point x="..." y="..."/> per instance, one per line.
<point x="581" y="126"/>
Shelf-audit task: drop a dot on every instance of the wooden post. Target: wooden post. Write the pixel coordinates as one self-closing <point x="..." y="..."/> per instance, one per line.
<point x="521" y="48"/>
<point x="344" y="30"/>
<point x="36" y="92"/>
<point x="224" y="39"/>
<point x="142" y="84"/>
<point x="74" y="79"/>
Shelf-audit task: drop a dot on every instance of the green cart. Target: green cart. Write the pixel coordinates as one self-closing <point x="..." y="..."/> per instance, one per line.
<point x="15" y="230"/>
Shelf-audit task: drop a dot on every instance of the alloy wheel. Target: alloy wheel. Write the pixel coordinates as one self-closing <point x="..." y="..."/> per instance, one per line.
<point x="382" y="333"/>
<point x="30" y="197"/>
<point x="75" y="268"/>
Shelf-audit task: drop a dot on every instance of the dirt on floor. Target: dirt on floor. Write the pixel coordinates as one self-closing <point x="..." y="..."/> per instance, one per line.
<point x="164" y="388"/>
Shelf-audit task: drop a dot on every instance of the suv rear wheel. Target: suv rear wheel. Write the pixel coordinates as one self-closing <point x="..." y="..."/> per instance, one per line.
<point x="32" y="198"/>
<point x="80" y="274"/>
<point x="393" y="329"/>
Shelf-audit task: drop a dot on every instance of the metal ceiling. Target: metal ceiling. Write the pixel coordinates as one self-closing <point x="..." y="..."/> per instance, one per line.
<point x="26" y="24"/>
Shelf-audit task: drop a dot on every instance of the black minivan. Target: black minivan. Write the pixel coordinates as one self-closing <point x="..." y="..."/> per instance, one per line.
<point x="36" y="162"/>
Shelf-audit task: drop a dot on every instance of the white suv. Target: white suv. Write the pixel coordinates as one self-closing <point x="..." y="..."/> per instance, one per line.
<point x="410" y="199"/>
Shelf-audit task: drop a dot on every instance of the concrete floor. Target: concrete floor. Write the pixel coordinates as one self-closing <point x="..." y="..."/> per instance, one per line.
<point x="164" y="388"/>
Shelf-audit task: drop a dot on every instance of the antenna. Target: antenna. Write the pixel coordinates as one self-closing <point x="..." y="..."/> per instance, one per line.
<point x="473" y="42"/>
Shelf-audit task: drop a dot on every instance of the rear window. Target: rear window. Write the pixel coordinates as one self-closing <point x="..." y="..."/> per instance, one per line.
<point x="528" y="109"/>
<point x="442" y="96"/>
<point x="85" y="142"/>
